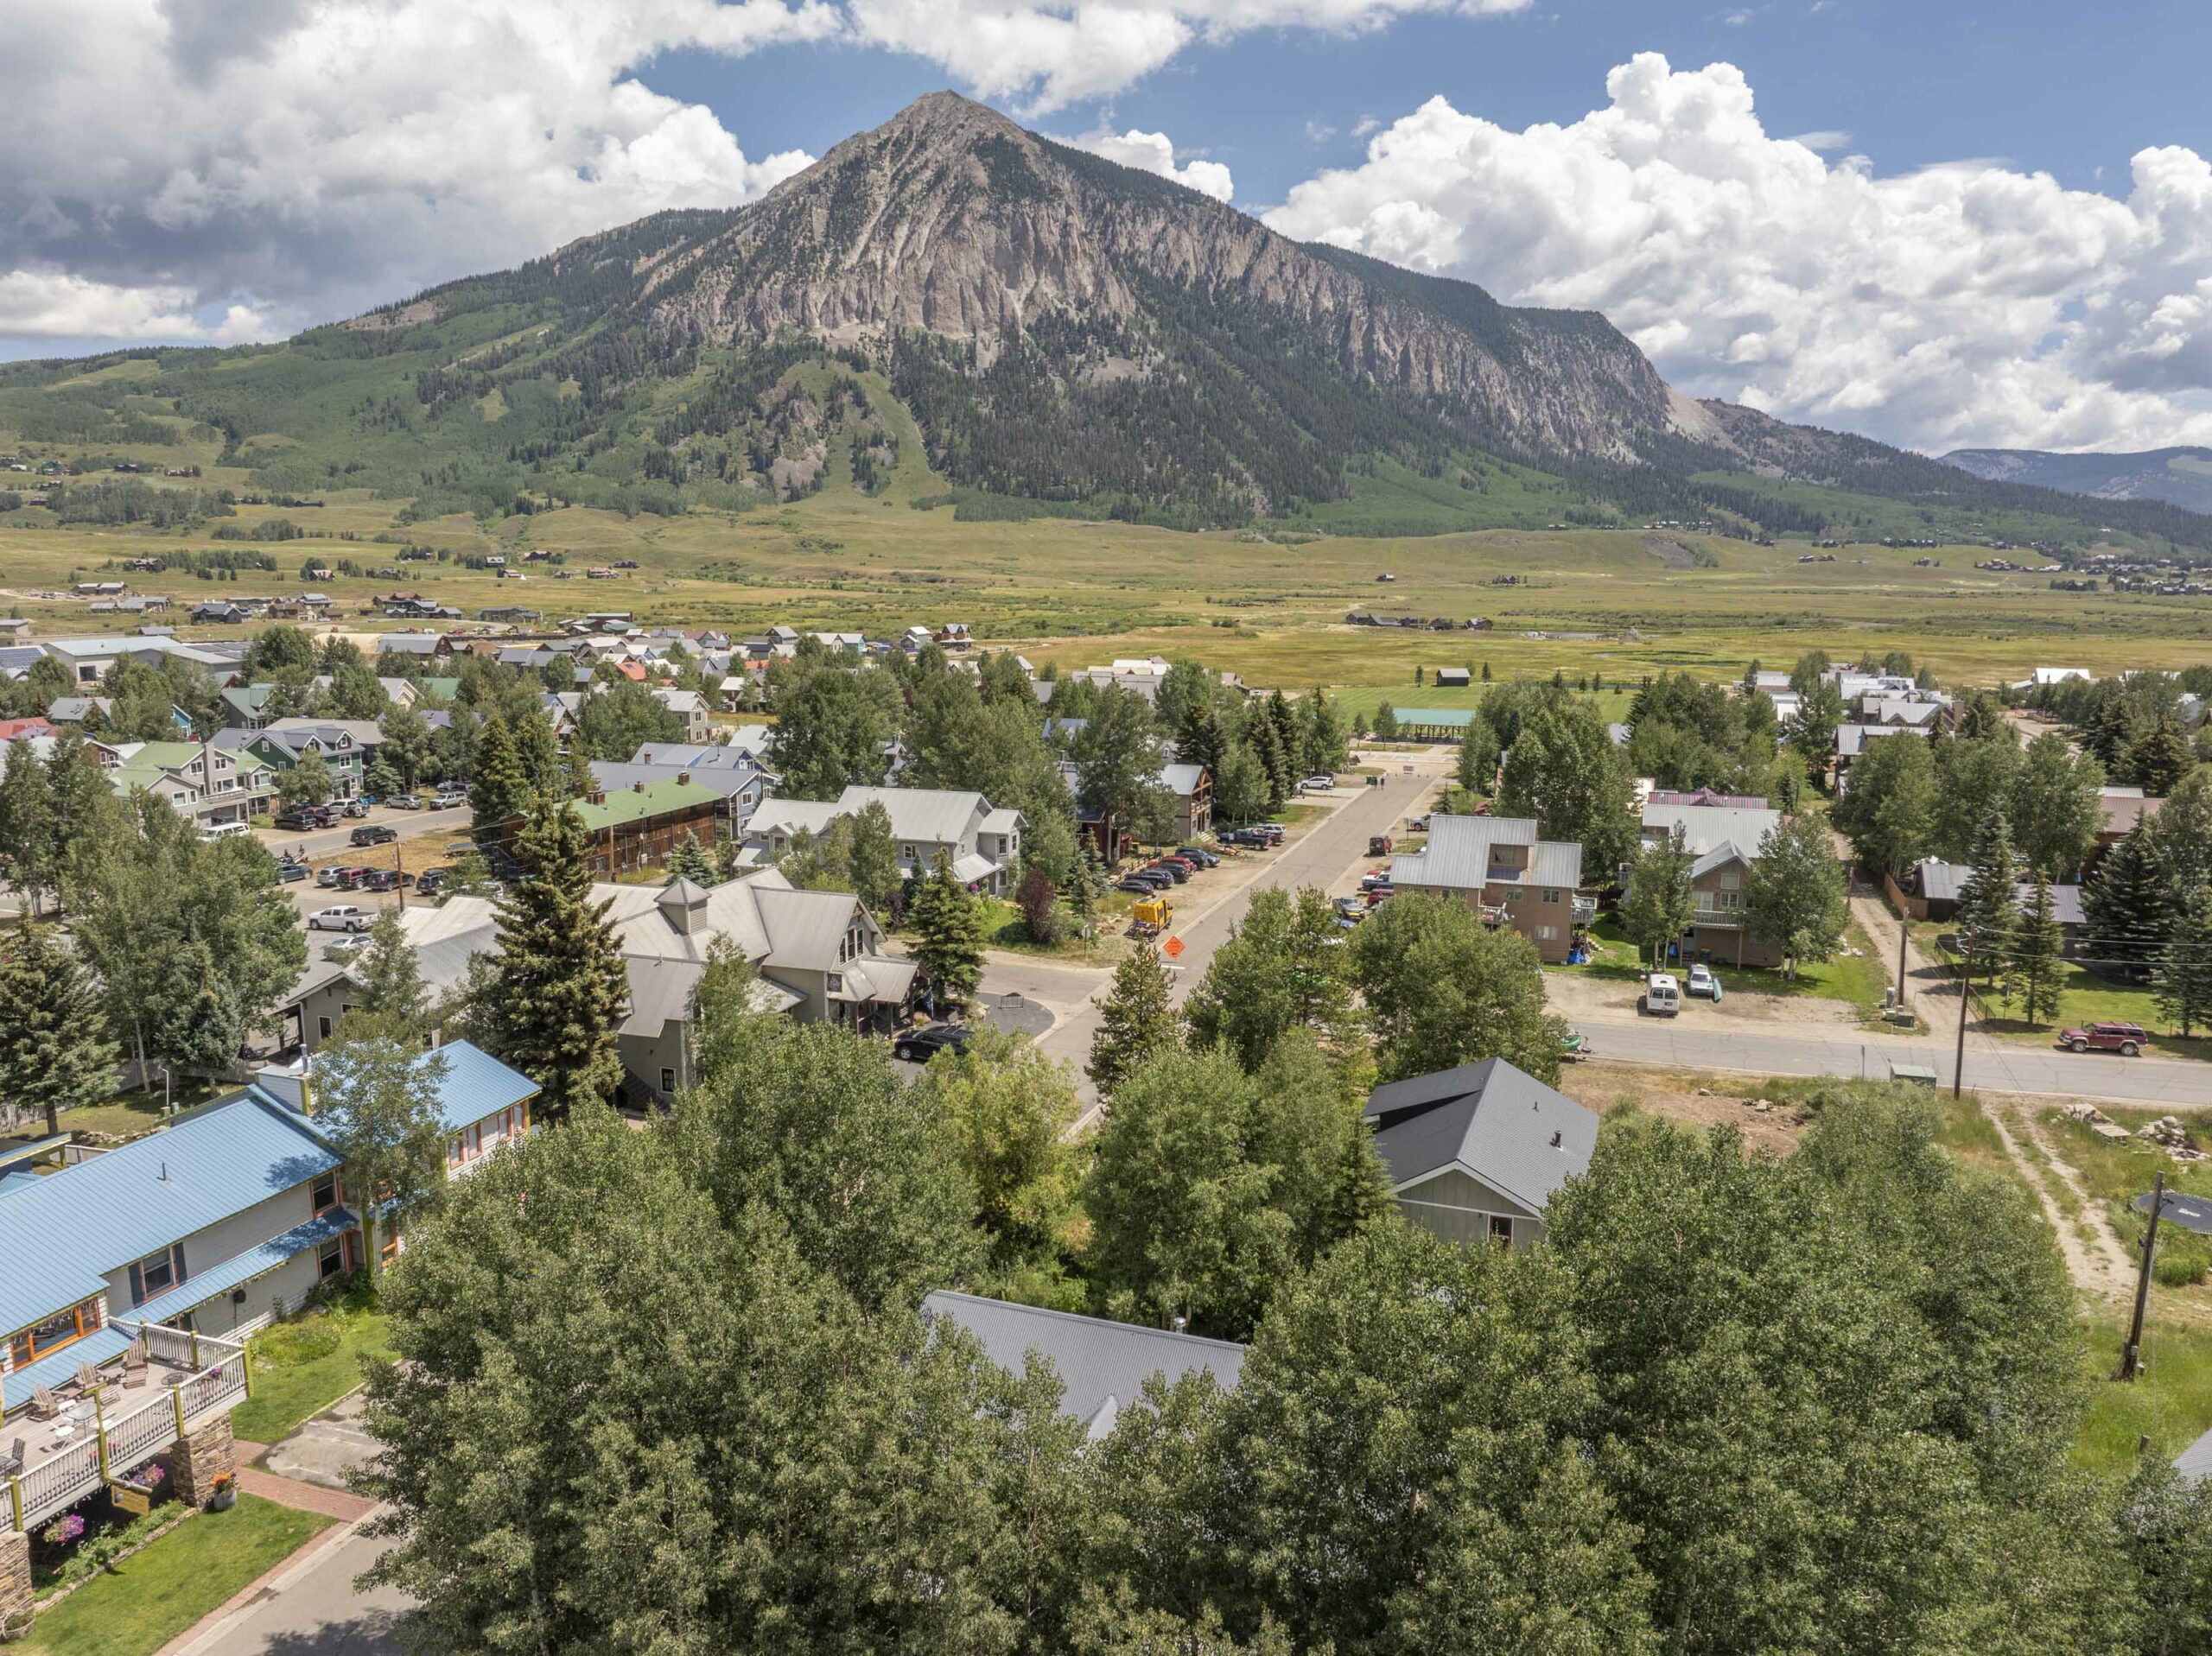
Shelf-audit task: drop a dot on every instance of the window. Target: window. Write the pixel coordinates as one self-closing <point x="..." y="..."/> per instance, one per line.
<point x="323" y="1028"/>
<point x="1551" y="895"/>
<point x="667" y="1080"/>
<point x="322" y="1195"/>
<point x="1547" y="934"/>
<point x="330" y="1259"/>
<point x="156" y="1274"/>
<point x="1501" y="1230"/>
<point x="62" y="1328"/>
<point x="905" y="854"/>
<point x="836" y="983"/>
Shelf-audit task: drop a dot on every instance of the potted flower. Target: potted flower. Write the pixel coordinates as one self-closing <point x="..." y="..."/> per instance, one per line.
<point x="225" y="1494"/>
<point x="69" y="1527"/>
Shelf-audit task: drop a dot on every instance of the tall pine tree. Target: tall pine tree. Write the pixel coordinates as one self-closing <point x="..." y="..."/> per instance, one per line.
<point x="553" y="1003"/>
<point x="1989" y="901"/>
<point x="1135" y="1020"/>
<point x="948" y="925"/>
<point x="55" y="1052"/>
<point x="497" y="788"/>
<point x="2127" y="903"/>
<point x="2182" y="984"/>
<point x="2032" y="963"/>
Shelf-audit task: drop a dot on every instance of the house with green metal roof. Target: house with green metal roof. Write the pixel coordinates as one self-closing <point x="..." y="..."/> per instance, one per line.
<point x="640" y="827"/>
<point x="204" y="784"/>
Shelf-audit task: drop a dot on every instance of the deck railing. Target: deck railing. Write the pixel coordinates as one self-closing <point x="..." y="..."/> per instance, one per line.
<point x="220" y="1374"/>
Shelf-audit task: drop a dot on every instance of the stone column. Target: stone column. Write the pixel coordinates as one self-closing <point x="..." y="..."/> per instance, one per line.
<point x="15" y="1612"/>
<point x="198" y="1460"/>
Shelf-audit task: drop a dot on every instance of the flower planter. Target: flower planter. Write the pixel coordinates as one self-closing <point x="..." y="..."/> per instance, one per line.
<point x="223" y="1500"/>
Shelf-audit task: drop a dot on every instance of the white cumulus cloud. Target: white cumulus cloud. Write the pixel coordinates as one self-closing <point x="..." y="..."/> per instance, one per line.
<point x="1045" y="54"/>
<point x="1965" y="304"/>
<point x="1152" y="152"/>
<point x="273" y="161"/>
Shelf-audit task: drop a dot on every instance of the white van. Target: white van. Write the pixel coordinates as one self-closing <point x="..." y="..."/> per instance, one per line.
<point x="1663" y="996"/>
<point x="224" y="830"/>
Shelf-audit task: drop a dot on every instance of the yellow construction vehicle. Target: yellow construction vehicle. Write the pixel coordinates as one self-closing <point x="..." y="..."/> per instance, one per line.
<point x="1151" y="915"/>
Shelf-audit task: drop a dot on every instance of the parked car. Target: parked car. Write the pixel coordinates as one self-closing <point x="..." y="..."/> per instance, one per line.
<point x="1135" y="886"/>
<point x="355" y="808"/>
<point x="920" y="1045"/>
<point x="1376" y="893"/>
<point x="1200" y="854"/>
<point x="1417" y="825"/>
<point x="327" y="878"/>
<point x="1175" y="870"/>
<point x="374" y="834"/>
<point x="1373" y="877"/>
<point x="1275" y="831"/>
<point x="287" y="871"/>
<point x="432" y="882"/>
<point x="449" y="799"/>
<point x="349" y="879"/>
<point x="1352" y="908"/>
<point x="2127" y="1039"/>
<point x="1702" y="983"/>
<point x="342" y="916"/>
<point x="1663" y="996"/>
<point x="1158" y="879"/>
<point x="299" y="818"/>
<point x="1378" y="845"/>
<point x="1245" y="837"/>
<point x="382" y="880"/>
<point x="1316" y="785"/>
<point x="405" y="801"/>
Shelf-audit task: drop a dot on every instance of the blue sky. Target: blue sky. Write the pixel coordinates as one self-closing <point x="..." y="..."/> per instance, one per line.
<point x="2052" y="86"/>
<point x="1996" y="229"/>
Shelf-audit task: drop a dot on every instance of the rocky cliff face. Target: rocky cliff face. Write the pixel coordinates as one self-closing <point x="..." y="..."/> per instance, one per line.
<point x="952" y="221"/>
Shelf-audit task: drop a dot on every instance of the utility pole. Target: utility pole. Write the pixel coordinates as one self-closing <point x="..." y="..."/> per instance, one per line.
<point x="1966" y="994"/>
<point x="1904" y="932"/>
<point x="2131" y="1355"/>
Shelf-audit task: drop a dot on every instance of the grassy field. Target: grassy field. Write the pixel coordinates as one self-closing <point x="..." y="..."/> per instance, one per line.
<point x="1592" y="603"/>
<point x="2171" y="1405"/>
<point x="152" y="1596"/>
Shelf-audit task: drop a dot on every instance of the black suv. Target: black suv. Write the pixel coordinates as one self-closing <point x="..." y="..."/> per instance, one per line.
<point x="375" y="833"/>
<point x="920" y="1045"/>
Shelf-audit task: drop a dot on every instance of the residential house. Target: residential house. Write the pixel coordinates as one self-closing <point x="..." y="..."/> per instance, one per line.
<point x="741" y="786"/>
<point x="206" y="783"/>
<point x="1448" y="678"/>
<point x="244" y="705"/>
<point x="819" y="954"/>
<point x="1851" y="741"/>
<point x="1931" y="890"/>
<point x="1725" y="840"/>
<point x="641" y="826"/>
<point x="745" y="744"/>
<point x="2119" y="809"/>
<point x="1474" y="1154"/>
<point x="982" y="843"/>
<point x="221" y="613"/>
<point x="78" y="710"/>
<point x="422" y="646"/>
<point x="14" y="729"/>
<point x="347" y="747"/>
<point x="1191" y="786"/>
<point x="1498" y="866"/>
<point x="1102" y="1366"/>
<point x="14" y="627"/>
<point x="689" y="706"/>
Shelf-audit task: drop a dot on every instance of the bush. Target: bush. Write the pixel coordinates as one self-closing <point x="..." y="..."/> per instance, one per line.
<point x="1038" y="900"/>
<point x="300" y="1342"/>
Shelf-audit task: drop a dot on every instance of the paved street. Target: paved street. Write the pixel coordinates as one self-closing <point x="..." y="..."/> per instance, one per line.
<point x="309" y="1609"/>
<point x="331" y="841"/>
<point x="1330" y="854"/>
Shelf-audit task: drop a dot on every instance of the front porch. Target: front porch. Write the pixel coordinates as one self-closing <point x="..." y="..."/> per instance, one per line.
<point x="161" y="1388"/>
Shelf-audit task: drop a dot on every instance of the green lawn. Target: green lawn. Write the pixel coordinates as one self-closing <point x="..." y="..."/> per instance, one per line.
<point x="128" y="1115"/>
<point x="149" y="1599"/>
<point x="303" y="1365"/>
<point x="2171" y="1404"/>
<point x="1859" y="979"/>
<point x="2084" y="998"/>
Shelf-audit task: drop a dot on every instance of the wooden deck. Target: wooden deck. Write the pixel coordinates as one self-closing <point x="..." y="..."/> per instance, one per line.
<point x="186" y="1379"/>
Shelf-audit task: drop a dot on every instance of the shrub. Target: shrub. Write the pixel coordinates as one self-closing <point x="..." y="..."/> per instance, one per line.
<point x="301" y="1341"/>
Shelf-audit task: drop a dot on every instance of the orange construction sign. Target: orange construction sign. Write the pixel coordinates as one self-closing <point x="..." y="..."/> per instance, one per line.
<point x="1174" y="949"/>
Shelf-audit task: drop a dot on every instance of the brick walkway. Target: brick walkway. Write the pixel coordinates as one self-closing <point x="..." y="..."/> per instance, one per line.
<point x="306" y="1497"/>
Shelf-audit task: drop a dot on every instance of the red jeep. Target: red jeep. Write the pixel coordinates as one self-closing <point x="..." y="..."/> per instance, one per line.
<point x="2127" y="1039"/>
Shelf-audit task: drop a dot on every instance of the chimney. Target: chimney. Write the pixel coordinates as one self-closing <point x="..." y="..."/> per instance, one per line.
<point x="682" y="777"/>
<point x="596" y="797"/>
<point x="637" y="787"/>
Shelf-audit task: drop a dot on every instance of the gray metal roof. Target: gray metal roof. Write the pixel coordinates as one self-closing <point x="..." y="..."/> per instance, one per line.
<point x="1101" y="1365"/>
<point x="1945" y="882"/>
<point x="613" y="777"/>
<point x="1494" y="1120"/>
<point x="1705" y="826"/>
<point x="1457" y="856"/>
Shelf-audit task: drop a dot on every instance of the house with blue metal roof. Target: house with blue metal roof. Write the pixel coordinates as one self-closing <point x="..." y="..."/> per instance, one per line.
<point x="214" y="1225"/>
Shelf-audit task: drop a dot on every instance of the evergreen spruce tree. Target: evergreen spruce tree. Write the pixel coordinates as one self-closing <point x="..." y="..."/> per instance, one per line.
<point x="578" y="781"/>
<point x="1135" y="1020"/>
<point x="2032" y="964"/>
<point x="1386" y="723"/>
<point x="55" y="1052"/>
<point x="2182" y="983"/>
<point x="948" y="925"/>
<point x="497" y="788"/>
<point x="1989" y="904"/>
<point x="689" y="861"/>
<point x="553" y="1002"/>
<point x="2157" y="758"/>
<point x="2127" y="903"/>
